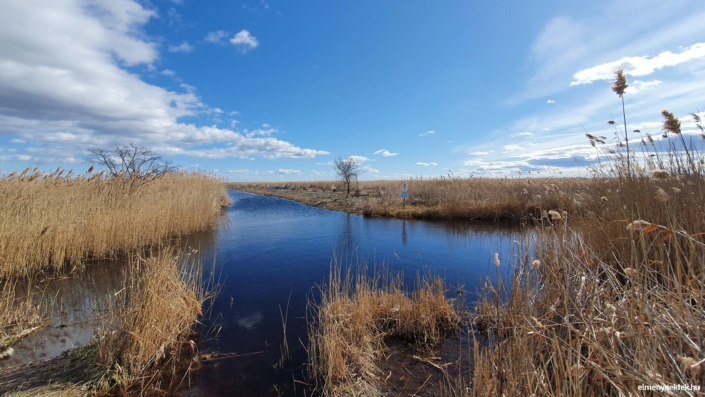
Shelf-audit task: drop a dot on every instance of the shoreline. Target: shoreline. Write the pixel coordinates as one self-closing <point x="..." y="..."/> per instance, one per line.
<point x="326" y="199"/>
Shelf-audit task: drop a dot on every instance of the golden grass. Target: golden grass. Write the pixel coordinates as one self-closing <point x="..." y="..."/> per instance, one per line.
<point x="616" y="296"/>
<point x="449" y="198"/>
<point x="149" y="341"/>
<point x="356" y="312"/>
<point x="54" y="220"/>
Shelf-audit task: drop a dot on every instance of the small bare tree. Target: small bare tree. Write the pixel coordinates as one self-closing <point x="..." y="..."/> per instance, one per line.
<point x="347" y="170"/>
<point x="136" y="163"/>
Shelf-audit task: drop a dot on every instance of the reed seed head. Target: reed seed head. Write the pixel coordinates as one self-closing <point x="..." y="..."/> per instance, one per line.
<point x="661" y="195"/>
<point x="660" y="175"/>
<point x="619" y="85"/>
<point x="638" y="225"/>
<point x="555" y="214"/>
<point x="671" y="122"/>
<point x="496" y="260"/>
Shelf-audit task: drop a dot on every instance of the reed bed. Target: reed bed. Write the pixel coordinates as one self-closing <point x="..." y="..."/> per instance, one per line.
<point x="356" y="312"/>
<point x="54" y="220"/>
<point x="148" y="344"/>
<point x="614" y="300"/>
<point x="449" y="197"/>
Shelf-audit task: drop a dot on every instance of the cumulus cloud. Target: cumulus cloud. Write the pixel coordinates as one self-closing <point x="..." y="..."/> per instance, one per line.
<point x="369" y="170"/>
<point x="479" y="153"/>
<point x="359" y="159"/>
<point x="283" y="171"/>
<point x="425" y="164"/>
<point x="183" y="47"/>
<point x="216" y="37"/>
<point x="64" y="82"/>
<point x="385" y="153"/>
<point x="248" y="172"/>
<point x="638" y="86"/>
<point x="428" y="133"/>
<point x="167" y="72"/>
<point x="245" y="40"/>
<point x="638" y="66"/>
<point x="550" y="101"/>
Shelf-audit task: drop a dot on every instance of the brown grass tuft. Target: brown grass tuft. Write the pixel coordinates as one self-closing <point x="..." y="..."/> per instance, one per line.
<point x="356" y="313"/>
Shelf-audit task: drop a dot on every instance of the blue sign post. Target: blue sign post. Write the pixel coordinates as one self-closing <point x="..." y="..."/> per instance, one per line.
<point x="404" y="194"/>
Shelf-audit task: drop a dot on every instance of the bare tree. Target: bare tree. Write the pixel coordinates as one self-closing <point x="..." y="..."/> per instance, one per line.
<point x="347" y="170"/>
<point x="137" y="163"/>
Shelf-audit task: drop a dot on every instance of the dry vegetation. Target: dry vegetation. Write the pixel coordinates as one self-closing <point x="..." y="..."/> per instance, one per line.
<point x="54" y="220"/>
<point x="602" y="299"/>
<point x="615" y="298"/>
<point x="444" y="198"/>
<point x="356" y="313"/>
<point x="149" y="339"/>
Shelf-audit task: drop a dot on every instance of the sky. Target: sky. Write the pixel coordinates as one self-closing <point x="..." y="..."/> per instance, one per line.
<point x="274" y="90"/>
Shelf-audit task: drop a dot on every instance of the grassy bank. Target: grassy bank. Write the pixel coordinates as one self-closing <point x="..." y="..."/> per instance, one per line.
<point x="54" y="223"/>
<point x="443" y="198"/>
<point x="56" y="220"/>
<point x="353" y="317"/>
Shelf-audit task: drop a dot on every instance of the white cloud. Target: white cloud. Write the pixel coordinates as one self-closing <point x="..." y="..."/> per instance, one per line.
<point x="266" y="126"/>
<point x="248" y="172"/>
<point x="425" y="164"/>
<point x="260" y="132"/>
<point x="428" y="133"/>
<point x="245" y="40"/>
<point x="385" y="153"/>
<point x="63" y="81"/>
<point x="283" y="171"/>
<point x="183" y="47"/>
<point x="360" y="159"/>
<point x="638" y="86"/>
<point x="216" y="37"/>
<point x="369" y="170"/>
<point x="167" y="72"/>
<point x="639" y="65"/>
<point x="525" y="133"/>
<point x="550" y="101"/>
<point x="480" y="153"/>
<point x="513" y="148"/>
<point x="568" y="44"/>
<point x="16" y="140"/>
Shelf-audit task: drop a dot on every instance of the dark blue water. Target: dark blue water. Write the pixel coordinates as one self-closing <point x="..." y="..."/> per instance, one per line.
<point x="268" y="249"/>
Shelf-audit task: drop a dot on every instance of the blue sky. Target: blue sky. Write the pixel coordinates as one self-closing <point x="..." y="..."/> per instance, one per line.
<point x="276" y="90"/>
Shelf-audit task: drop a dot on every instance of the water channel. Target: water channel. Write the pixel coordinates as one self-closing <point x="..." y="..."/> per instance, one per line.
<point x="268" y="251"/>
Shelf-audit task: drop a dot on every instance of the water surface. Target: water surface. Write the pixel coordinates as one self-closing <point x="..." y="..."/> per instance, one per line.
<point x="272" y="248"/>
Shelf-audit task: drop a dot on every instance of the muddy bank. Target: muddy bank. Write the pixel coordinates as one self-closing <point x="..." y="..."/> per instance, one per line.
<point x="334" y="200"/>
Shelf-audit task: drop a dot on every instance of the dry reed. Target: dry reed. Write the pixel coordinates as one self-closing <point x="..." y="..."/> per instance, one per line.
<point x="616" y="297"/>
<point x="149" y="341"/>
<point x="53" y="220"/>
<point x="448" y="197"/>
<point x="356" y="313"/>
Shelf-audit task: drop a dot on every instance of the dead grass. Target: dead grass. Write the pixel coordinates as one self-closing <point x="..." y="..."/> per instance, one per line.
<point x="148" y="344"/>
<point x="22" y="311"/>
<point x="451" y="197"/>
<point x="615" y="297"/>
<point x="54" y="220"/>
<point x="356" y="313"/>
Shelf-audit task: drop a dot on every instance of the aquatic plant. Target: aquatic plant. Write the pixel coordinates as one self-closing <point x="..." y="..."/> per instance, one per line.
<point x="54" y="220"/>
